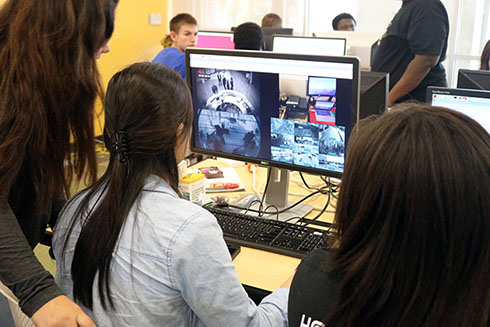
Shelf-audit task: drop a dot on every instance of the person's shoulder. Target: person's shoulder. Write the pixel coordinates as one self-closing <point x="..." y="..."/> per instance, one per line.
<point x="427" y="7"/>
<point x="162" y="201"/>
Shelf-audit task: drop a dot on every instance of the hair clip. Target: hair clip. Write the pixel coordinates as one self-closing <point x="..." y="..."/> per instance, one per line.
<point x="120" y="146"/>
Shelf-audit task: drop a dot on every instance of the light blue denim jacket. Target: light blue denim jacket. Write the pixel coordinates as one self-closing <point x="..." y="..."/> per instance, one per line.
<point x="171" y="268"/>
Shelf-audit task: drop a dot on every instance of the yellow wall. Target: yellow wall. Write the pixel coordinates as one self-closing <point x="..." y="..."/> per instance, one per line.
<point x="134" y="40"/>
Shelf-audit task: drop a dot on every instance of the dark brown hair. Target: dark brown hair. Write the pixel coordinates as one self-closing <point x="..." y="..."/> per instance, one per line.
<point x="177" y="21"/>
<point x="145" y="106"/>
<point x="49" y="82"/>
<point x="414" y="222"/>
<point x="485" y="57"/>
<point x="272" y="20"/>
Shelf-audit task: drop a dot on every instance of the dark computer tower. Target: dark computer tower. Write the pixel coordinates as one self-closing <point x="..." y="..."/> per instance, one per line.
<point x="373" y="93"/>
<point x="474" y="79"/>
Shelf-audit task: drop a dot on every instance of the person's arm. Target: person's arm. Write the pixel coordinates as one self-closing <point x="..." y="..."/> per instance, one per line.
<point x="202" y="270"/>
<point x="21" y="272"/>
<point x="416" y="71"/>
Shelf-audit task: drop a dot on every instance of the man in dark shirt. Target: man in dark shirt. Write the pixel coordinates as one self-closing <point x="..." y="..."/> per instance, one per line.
<point x="413" y="48"/>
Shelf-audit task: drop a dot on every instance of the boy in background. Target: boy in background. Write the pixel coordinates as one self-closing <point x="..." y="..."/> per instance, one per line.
<point x="183" y="32"/>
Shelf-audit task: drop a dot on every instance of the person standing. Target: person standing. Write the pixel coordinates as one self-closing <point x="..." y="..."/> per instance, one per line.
<point x="413" y="48"/>
<point x="183" y="32"/>
<point x="49" y="82"/>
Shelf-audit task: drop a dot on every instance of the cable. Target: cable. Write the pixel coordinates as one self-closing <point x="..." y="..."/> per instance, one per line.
<point x="321" y="212"/>
<point x="283" y="210"/>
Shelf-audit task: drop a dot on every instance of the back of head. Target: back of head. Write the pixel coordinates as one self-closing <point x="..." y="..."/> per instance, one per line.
<point x="338" y="18"/>
<point x="49" y="82"/>
<point x="248" y="36"/>
<point x="181" y="19"/>
<point x="272" y="20"/>
<point x="414" y="222"/>
<point x="148" y="111"/>
<point x="485" y="57"/>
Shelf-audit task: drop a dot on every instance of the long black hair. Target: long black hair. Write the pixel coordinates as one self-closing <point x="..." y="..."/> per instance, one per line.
<point x="148" y="111"/>
<point x="414" y="222"/>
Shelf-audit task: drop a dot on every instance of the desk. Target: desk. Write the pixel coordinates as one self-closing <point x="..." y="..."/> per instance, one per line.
<point x="258" y="268"/>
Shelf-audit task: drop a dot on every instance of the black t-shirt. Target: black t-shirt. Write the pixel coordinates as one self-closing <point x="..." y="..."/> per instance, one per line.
<point x="313" y="291"/>
<point x="420" y="27"/>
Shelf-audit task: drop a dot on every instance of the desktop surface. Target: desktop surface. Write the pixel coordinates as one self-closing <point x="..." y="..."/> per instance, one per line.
<point x="473" y="103"/>
<point x="264" y="269"/>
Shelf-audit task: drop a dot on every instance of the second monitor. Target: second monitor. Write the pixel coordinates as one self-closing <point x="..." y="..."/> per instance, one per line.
<point x="324" y="46"/>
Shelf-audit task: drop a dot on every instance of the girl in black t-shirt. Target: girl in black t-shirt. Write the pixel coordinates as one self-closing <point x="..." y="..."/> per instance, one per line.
<point x="413" y="221"/>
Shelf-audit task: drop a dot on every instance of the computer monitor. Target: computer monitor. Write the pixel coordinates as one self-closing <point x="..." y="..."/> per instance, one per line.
<point x="473" y="103"/>
<point x="359" y="44"/>
<point x="253" y="106"/>
<point x="270" y="31"/>
<point x="215" y="40"/>
<point x="474" y="79"/>
<point x="325" y="46"/>
<point x="375" y="88"/>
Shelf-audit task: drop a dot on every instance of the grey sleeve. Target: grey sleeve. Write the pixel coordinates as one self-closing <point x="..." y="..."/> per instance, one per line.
<point x="20" y="271"/>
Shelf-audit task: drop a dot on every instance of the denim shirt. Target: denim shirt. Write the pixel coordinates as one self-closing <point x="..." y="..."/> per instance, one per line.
<point x="171" y="267"/>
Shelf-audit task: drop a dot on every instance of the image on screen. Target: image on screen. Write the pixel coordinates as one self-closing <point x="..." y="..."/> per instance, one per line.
<point x="229" y="111"/>
<point x="257" y="110"/>
<point x="321" y="86"/>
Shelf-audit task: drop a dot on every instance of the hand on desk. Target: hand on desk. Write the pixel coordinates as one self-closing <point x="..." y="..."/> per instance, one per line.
<point x="61" y="312"/>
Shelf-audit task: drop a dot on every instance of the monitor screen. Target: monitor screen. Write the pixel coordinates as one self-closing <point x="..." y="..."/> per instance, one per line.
<point x="271" y="31"/>
<point x="474" y="79"/>
<point x="475" y="104"/>
<point x="309" y="45"/>
<point x="253" y="106"/>
<point x="215" y="40"/>
<point x="359" y="44"/>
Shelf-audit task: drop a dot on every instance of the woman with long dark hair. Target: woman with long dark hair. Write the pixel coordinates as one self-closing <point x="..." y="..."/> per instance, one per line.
<point x="48" y="84"/>
<point x="413" y="221"/>
<point x="129" y="249"/>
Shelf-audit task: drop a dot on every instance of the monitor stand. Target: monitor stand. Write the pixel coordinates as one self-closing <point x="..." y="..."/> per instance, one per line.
<point x="277" y="195"/>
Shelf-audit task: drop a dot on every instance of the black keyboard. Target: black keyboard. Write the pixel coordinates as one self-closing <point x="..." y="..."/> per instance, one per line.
<point x="268" y="234"/>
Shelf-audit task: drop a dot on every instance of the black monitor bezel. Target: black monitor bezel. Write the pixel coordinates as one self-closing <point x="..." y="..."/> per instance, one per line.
<point x="310" y="37"/>
<point x="276" y="55"/>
